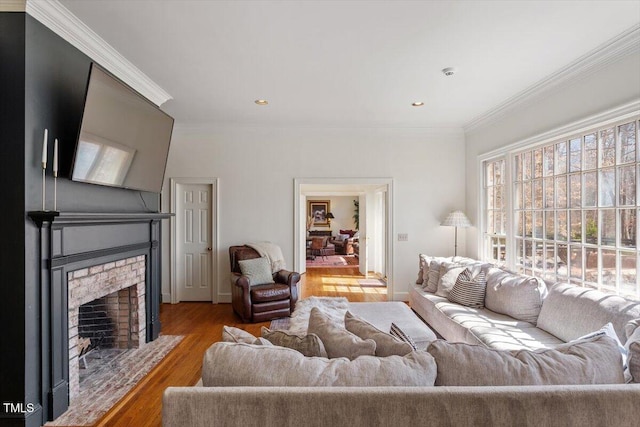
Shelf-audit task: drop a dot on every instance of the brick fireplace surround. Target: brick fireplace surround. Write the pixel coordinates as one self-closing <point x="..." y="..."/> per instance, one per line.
<point x="88" y="284"/>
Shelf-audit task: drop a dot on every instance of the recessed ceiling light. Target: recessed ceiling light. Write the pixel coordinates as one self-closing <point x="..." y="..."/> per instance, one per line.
<point x="418" y="104"/>
<point x="261" y="101"/>
<point x="449" y="71"/>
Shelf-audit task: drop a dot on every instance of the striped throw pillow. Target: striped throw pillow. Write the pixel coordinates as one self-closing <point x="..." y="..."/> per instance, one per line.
<point x="399" y="333"/>
<point x="469" y="290"/>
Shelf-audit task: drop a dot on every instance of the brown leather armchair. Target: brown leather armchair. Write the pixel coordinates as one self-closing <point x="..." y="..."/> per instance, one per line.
<point x="263" y="302"/>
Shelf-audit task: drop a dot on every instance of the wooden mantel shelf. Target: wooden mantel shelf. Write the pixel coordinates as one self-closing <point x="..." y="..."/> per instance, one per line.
<point x="40" y="217"/>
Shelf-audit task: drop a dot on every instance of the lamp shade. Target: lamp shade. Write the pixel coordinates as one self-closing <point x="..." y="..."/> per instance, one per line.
<point x="457" y="219"/>
<point x="329" y="215"/>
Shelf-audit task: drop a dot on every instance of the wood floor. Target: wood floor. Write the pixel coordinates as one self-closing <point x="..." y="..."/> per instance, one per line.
<point x="201" y="324"/>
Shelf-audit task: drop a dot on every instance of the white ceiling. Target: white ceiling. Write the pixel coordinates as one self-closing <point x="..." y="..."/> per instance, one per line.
<point x="349" y="63"/>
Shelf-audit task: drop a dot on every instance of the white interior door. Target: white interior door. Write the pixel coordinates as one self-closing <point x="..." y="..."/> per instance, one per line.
<point x="194" y="245"/>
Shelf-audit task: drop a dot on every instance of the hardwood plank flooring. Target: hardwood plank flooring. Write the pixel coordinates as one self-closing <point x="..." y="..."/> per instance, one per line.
<point x="201" y="324"/>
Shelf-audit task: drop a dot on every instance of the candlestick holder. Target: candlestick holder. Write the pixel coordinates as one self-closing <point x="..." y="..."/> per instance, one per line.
<point x="44" y="187"/>
<point x="55" y="191"/>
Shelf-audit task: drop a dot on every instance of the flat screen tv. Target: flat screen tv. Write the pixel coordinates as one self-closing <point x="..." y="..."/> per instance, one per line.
<point x="124" y="138"/>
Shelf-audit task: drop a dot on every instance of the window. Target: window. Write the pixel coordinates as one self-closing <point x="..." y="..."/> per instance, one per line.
<point x="574" y="209"/>
<point x="495" y="214"/>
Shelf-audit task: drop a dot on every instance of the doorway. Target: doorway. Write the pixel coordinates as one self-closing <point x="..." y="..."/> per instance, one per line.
<point x="194" y="237"/>
<point x="374" y="243"/>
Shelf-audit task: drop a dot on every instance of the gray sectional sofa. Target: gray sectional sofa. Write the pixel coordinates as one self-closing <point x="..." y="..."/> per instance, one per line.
<point x="519" y="313"/>
<point x="566" y="312"/>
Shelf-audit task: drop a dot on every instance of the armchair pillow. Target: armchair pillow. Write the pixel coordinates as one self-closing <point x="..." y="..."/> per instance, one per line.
<point x="258" y="270"/>
<point x="338" y="341"/>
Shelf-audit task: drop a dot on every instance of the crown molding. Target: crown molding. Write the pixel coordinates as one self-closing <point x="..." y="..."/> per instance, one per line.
<point x="61" y="21"/>
<point x="13" y="5"/>
<point x="600" y="57"/>
<point x="604" y="118"/>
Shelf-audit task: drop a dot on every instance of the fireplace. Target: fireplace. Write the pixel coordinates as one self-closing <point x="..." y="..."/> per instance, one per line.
<point x="83" y="257"/>
<point x="106" y="310"/>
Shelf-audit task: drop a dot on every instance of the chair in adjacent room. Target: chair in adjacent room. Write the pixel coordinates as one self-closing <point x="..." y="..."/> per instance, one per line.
<point x="318" y="247"/>
<point x="261" y="302"/>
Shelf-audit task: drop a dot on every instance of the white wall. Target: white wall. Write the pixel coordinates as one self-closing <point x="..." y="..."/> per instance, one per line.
<point x="607" y="88"/>
<point x="342" y="208"/>
<point x="256" y="168"/>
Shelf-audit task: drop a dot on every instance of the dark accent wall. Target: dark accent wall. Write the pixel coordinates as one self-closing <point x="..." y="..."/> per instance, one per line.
<point x="12" y="298"/>
<point x="42" y="85"/>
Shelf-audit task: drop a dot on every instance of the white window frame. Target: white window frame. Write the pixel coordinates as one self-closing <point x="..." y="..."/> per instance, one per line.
<point x="611" y="117"/>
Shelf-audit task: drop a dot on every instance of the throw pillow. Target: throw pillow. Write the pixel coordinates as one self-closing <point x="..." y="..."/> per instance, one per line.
<point x="469" y="290"/>
<point x="337" y="340"/>
<point x="634" y="360"/>
<point x="433" y="276"/>
<point x="423" y="269"/>
<point x="308" y="344"/>
<point x="610" y="332"/>
<point x="632" y="330"/>
<point x="515" y="295"/>
<point x="449" y="273"/>
<point x="231" y="334"/>
<point x="399" y="333"/>
<point x="236" y="364"/>
<point x="386" y="344"/>
<point x="592" y="361"/>
<point x="258" y="270"/>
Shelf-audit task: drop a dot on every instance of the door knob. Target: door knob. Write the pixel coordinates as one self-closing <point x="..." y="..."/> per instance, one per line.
<point x="209" y="249"/>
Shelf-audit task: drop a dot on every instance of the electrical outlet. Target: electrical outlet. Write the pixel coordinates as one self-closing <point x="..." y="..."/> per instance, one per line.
<point x="403" y="237"/>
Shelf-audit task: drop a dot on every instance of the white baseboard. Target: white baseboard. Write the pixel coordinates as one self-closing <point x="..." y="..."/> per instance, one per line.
<point x="224" y="298"/>
<point x="400" y="296"/>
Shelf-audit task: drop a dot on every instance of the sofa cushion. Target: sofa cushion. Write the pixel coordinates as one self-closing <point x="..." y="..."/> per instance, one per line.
<point x="398" y="333"/>
<point x="232" y="334"/>
<point x="515" y="295"/>
<point x="592" y="361"/>
<point x="238" y="364"/>
<point x="632" y="330"/>
<point x="611" y="333"/>
<point x="570" y="311"/>
<point x="386" y="344"/>
<point x="337" y="340"/>
<point x="308" y="344"/>
<point x="270" y="292"/>
<point x="423" y="269"/>
<point x="382" y="315"/>
<point x="449" y="273"/>
<point x="634" y="360"/>
<point x="469" y="290"/>
<point x="258" y="270"/>
<point x="432" y="276"/>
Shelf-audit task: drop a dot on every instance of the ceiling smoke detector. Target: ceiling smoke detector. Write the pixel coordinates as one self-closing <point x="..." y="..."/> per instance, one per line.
<point x="449" y="71"/>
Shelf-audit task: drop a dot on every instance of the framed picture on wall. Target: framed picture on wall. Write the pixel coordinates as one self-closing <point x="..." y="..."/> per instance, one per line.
<point x="318" y="209"/>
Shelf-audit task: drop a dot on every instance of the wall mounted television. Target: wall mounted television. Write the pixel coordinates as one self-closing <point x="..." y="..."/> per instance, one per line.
<point x="124" y="138"/>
